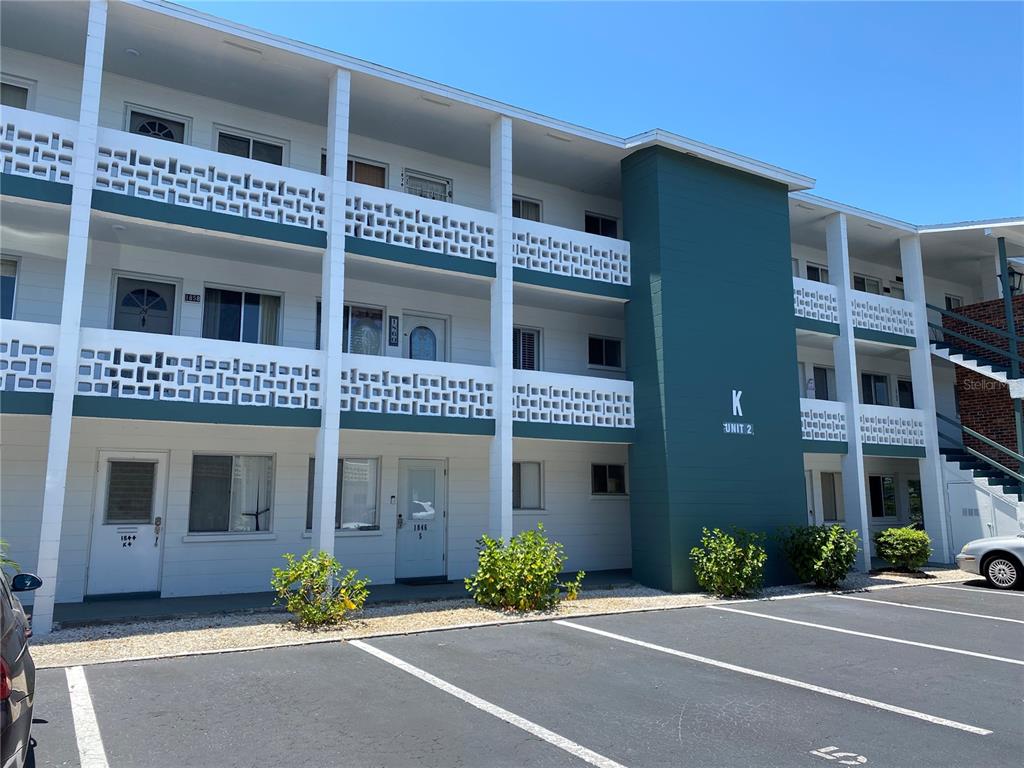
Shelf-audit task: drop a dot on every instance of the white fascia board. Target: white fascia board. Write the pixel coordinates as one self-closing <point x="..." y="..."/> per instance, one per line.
<point x="850" y="210"/>
<point x="960" y="226"/>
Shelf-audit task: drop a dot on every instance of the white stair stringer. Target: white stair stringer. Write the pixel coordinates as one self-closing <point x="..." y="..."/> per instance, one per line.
<point x="975" y="509"/>
<point x="1016" y="385"/>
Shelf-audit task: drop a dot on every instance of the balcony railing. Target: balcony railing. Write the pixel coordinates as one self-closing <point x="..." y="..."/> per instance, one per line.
<point x="569" y="253"/>
<point x="886" y="425"/>
<point x="882" y="313"/>
<point x="815" y="301"/>
<point x="823" y="420"/>
<point x="395" y="385"/>
<point x="184" y="369"/>
<point x="27" y="355"/>
<point x="554" y="398"/>
<point x="179" y="174"/>
<point x="37" y="145"/>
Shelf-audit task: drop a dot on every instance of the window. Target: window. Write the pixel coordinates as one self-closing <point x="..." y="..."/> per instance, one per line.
<point x="831" y="497"/>
<point x="821" y="384"/>
<point x="253" y="148"/>
<point x="882" y="495"/>
<point x="241" y="316"/>
<point x="8" y="283"/>
<point x="599" y="224"/>
<point x="817" y="273"/>
<point x="427" y="185"/>
<point x="904" y="393"/>
<point x="867" y="284"/>
<point x="526" y="349"/>
<point x="362" y="329"/>
<point x="130" y="487"/>
<point x="896" y="288"/>
<point x="796" y="268"/>
<point x="356" y="507"/>
<point x="608" y="479"/>
<point x="231" y="494"/>
<point x="874" y="389"/>
<point x="953" y="303"/>
<point x="156" y="125"/>
<point x="526" y="485"/>
<point x="604" y="352"/>
<point x="422" y="343"/>
<point x="525" y="208"/>
<point x="915" y="504"/>
<point x="12" y="95"/>
<point x="367" y="172"/>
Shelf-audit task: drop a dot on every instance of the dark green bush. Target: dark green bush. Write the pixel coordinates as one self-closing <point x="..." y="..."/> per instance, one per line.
<point x="823" y="554"/>
<point x="521" y="575"/>
<point x="729" y="564"/>
<point x="317" y="591"/>
<point x="905" y="548"/>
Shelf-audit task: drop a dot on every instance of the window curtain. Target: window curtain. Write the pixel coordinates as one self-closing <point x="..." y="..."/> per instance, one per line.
<point x="250" y="494"/>
<point x="270" y="312"/>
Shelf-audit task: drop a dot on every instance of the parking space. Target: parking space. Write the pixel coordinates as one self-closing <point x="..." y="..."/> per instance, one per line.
<point x="696" y="686"/>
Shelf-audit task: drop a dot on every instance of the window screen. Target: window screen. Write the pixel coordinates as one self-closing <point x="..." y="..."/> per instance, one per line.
<point x="526" y="485"/>
<point x="231" y="493"/>
<point x="13" y="95"/>
<point x="130" y="492"/>
<point x="525" y="349"/>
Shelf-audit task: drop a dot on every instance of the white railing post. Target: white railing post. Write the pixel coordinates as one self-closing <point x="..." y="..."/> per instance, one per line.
<point x="845" y="351"/>
<point x="66" y="366"/>
<point x="933" y="495"/>
<point x="332" y="302"/>
<point x="500" y="518"/>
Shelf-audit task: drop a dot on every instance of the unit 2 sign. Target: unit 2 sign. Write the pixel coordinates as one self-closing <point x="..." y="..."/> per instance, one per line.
<point x="737" y="427"/>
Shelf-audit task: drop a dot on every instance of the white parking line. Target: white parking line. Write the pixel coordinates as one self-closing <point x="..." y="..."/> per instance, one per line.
<point x="972" y="589"/>
<point x="87" y="730"/>
<point x="587" y="755"/>
<point x="929" y="608"/>
<point x="784" y="680"/>
<point x="827" y="628"/>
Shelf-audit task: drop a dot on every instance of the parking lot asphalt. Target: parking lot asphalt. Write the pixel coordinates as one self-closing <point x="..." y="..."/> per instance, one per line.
<point x="909" y="681"/>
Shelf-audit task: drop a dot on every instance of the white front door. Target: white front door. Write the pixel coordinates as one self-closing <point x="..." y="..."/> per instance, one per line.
<point x="128" y="523"/>
<point x="422" y="511"/>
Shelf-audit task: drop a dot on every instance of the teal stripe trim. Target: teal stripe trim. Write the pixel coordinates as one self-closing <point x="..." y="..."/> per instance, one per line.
<point x="126" y="205"/>
<point x="818" y="326"/>
<point x="202" y="413"/>
<point x="395" y="422"/>
<point x="35" y="189"/>
<point x="31" y="403"/>
<point x="825" y="446"/>
<point x="419" y="258"/>
<point x="866" y="334"/>
<point x="895" y="451"/>
<point x="541" y="431"/>
<point x="575" y="284"/>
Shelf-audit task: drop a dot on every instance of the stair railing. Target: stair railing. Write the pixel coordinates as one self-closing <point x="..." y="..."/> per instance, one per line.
<point x="1013" y="455"/>
<point x="1009" y="353"/>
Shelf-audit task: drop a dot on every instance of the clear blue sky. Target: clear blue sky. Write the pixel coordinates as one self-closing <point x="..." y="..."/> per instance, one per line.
<point x="915" y="110"/>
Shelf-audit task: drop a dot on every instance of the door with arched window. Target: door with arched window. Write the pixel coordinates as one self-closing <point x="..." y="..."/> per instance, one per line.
<point x="425" y="337"/>
<point x="144" y="305"/>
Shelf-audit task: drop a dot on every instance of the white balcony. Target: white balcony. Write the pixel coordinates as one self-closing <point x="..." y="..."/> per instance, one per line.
<point x="37" y="145"/>
<point x="555" y="398"/>
<point x="886" y="425"/>
<point x="179" y="174"/>
<point x="815" y="301"/>
<point x="185" y="369"/>
<point x="823" y="420"/>
<point x="28" y="352"/>
<point x="882" y="313"/>
<point x="569" y="253"/>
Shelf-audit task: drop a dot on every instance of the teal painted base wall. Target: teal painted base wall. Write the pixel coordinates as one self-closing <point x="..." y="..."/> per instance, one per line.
<point x="32" y="403"/>
<point x="35" y="189"/>
<point x="710" y="311"/>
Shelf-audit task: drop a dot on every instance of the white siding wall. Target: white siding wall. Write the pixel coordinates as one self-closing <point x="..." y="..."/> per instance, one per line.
<point x="58" y="84"/>
<point x="893" y="367"/>
<point x="39" y="288"/>
<point x="565" y="207"/>
<point x="564" y="338"/>
<point x="23" y="442"/>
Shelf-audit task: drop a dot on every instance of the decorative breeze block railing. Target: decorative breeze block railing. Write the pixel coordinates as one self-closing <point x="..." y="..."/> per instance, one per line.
<point x="823" y="420"/>
<point x="36" y="145"/>
<point x="409" y="221"/>
<point x="182" y="369"/>
<point x="886" y="425"/>
<point x="179" y="174"/>
<point x="552" y="398"/>
<point x="396" y="386"/>
<point x="28" y="352"/>
<point x="815" y="301"/>
<point x="882" y="313"/>
<point x="570" y="253"/>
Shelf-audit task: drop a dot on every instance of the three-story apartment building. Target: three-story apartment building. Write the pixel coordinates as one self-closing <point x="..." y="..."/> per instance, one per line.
<point x="259" y="298"/>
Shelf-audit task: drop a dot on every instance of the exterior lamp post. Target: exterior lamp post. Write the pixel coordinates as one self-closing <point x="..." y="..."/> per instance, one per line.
<point x="1010" y="282"/>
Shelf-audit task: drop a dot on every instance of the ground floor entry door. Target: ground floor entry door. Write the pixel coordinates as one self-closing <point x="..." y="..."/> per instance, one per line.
<point x="422" y="512"/>
<point x="128" y="521"/>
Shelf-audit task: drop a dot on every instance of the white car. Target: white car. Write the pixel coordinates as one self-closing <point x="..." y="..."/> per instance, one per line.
<point x="999" y="559"/>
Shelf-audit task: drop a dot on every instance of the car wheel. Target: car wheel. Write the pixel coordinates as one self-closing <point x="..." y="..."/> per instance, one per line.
<point x="1003" y="572"/>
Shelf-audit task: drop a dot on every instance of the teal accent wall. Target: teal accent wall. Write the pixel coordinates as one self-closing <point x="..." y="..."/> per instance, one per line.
<point x="542" y="431"/>
<point x="35" y="189"/>
<point x="391" y="422"/>
<point x="564" y="283"/>
<point x="33" y="403"/>
<point x="710" y="311"/>
<point x="418" y="257"/>
<point x="201" y="413"/>
<point x="818" y="326"/>
<point x="825" y="446"/>
<point x="867" y="334"/>
<point x="894" y="451"/>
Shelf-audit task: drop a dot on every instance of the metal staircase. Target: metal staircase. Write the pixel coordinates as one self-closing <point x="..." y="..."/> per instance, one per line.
<point x="1006" y="473"/>
<point x="1001" y="363"/>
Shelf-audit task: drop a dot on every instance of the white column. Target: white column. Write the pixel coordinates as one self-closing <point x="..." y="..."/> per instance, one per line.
<point x="844" y="348"/>
<point x="332" y="303"/>
<point x="933" y="495"/>
<point x="66" y="364"/>
<point x="501" y="331"/>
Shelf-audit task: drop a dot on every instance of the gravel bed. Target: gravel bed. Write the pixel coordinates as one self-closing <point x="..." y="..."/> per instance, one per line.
<point x="251" y="630"/>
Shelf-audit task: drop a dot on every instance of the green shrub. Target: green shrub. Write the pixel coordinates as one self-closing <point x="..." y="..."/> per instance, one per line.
<point x="729" y="564"/>
<point x="905" y="548"/>
<point x="5" y="561"/>
<point x="521" y="575"/>
<point x="316" y="591"/>
<point x="823" y="554"/>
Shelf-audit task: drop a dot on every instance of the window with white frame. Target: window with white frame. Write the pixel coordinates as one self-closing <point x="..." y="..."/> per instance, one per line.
<point x="867" y="284"/>
<point x="238" y="315"/>
<point x="526" y="208"/>
<point x="15" y="92"/>
<point x="357" y="505"/>
<point x="157" y="124"/>
<point x="8" y="287"/>
<point x="427" y="185"/>
<point x="604" y="352"/>
<point x="527" y="485"/>
<point x="821" y="383"/>
<point x="953" y="303"/>
<point x="526" y="349"/>
<point x="264" y="149"/>
<point x="882" y="495"/>
<point x="231" y="494"/>
<point x="874" y="389"/>
<point x="832" y="497"/>
<point x="817" y="273"/>
<point x="367" y="172"/>
<point x="599" y="224"/>
<point x="608" y="479"/>
<point x="362" y="329"/>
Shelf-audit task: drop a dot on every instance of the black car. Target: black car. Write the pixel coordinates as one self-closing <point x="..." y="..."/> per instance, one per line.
<point x="18" y="674"/>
